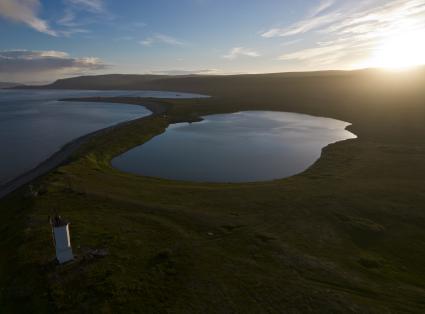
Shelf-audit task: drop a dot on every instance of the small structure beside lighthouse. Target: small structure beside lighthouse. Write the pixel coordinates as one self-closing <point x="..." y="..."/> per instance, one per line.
<point x="61" y="239"/>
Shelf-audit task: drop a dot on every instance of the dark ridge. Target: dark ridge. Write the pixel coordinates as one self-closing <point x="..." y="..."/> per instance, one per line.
<point x="226" y="85"/>
<point x="9" y="85"/>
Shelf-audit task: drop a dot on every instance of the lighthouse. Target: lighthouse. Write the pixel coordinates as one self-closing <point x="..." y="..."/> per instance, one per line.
<point x="61" y="239"/>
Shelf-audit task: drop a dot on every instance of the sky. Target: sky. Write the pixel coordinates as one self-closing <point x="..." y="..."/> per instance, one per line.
<point x="42" y="40"/>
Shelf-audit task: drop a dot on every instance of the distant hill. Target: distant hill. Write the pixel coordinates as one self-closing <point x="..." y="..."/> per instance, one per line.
<point x="226" y="85"/>
<point x="134" y="81"/>
<point x="9" y="85"/>
<point x="104" y="82"/>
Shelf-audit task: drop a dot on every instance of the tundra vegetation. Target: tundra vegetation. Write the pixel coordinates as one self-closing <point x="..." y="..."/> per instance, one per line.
<point x="347" y="235"/>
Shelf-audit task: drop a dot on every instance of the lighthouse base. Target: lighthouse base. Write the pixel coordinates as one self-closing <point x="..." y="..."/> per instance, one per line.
<point x="64" y="256"/>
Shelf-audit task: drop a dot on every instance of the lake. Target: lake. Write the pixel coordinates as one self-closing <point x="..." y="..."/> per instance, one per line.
<point x="239" y="147"/>
<point x="34" y="125"/>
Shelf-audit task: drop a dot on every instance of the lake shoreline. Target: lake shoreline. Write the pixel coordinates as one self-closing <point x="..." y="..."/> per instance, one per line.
<point x="61" y="156"/>
<point x="334" y="236"/>
<point x="279" y="145"/>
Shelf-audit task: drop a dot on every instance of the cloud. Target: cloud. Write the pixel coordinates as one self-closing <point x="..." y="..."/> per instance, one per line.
<point x="323" y="6"/>
<point x="303" y="26"/>
<point x="26" y="64"/>
<point x="147" y="42"/>
<point x="80" y="13"/>
<point x="68" y="18"/>
<point x="312" y="21"/>
<point x="321" y="55"/>
<point x="291" y="42"/>
<point x="95" y="6"/>
<point x="26" y="12"/>
<point x="161" y="39"/>
<point x="351" y="30"/>
<point x="374" y="12"/>
<point x="139" y="24"/>
<point x="240" y="51"/>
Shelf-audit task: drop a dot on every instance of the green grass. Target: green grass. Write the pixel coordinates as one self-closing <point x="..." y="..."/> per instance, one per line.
<point x="347" y="235"/>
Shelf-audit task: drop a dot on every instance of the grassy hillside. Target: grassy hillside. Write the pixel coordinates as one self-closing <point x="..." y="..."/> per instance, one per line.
<point x="347" y="235"/>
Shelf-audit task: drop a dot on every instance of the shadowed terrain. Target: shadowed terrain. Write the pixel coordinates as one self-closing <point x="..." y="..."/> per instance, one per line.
<point x="8" y="85"/>
<point x="347" y="235"/>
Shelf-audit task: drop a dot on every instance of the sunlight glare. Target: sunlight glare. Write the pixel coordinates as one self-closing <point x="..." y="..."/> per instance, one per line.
<point x="400" y="52"/>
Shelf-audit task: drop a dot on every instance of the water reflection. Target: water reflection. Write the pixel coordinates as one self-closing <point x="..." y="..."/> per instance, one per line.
<point x="239" y="147"/>
<point x="33" y="125"/>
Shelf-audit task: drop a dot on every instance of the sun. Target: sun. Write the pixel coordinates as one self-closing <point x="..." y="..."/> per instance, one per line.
<point x="401" y="51"/>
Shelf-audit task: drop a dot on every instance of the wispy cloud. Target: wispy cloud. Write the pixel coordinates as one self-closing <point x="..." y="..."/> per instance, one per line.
<point x="321" y="55"/>
<point x="78" y="14"/>
<point x="26" y="12"/>
<point x="351" y="29"/>
<point x="365" y="14"/>
<point x="291" y="42"/>
<point x="68" y="18"/>
<point x="161" y="39"/>
<point x="26" y="63"/>
<point x="138" y="24"/>
<point x="323" y="6"/>
<point x="303" y="26"/>
<point x="313" y="20"/>
<point x="240" y="51"/>
<point x="95" y="6"/>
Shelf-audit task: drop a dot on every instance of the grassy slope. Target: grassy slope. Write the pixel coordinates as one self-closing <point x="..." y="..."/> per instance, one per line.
<point x="345" y="236"/>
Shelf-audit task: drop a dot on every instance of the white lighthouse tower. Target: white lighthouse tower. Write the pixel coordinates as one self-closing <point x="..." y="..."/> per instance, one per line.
<point x="62" y="240"/>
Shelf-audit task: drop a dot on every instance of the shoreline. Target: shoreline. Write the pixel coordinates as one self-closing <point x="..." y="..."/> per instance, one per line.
<point x="61" y="156"/>
<point x="157" y="106"/>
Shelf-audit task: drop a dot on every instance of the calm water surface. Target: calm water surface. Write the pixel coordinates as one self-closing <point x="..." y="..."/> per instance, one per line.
<point x="239" y="147"/>
<point x="34" y="125"/>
